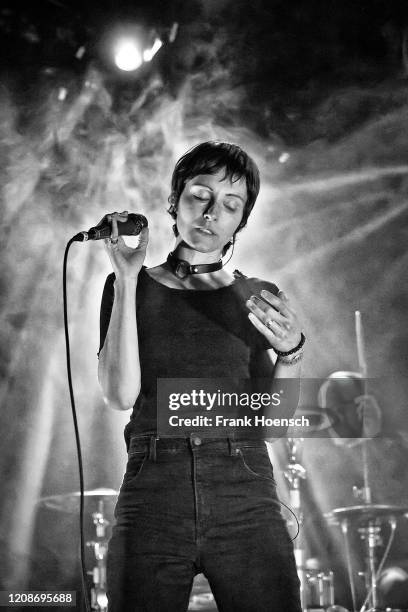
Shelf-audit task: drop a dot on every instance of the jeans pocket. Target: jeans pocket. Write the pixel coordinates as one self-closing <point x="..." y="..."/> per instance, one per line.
<point x="134" y="467"/>
<point x="255" y="460"/>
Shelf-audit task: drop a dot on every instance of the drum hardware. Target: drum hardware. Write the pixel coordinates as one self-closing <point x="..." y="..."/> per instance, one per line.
<point x="367" y="514"/>
<point x="320" y="590"/>
<point x="99" y="600"/>
<point x="316" y="586"/>
<point x="370" y="517"/>
<point x="294" y="474"/>
<point x="68" y="502"/>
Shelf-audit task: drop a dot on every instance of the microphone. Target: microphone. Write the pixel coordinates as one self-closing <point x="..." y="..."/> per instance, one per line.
<point x="131" y="227"/>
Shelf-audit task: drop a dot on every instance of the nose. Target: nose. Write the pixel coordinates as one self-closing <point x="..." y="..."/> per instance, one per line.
<point x="209" y="212"/>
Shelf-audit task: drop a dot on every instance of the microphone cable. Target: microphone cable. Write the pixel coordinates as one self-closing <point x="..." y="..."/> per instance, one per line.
<point x="75" y="421"/>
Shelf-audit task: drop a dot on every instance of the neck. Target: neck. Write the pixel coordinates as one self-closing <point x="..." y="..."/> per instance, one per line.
<point x="184" y="251"/>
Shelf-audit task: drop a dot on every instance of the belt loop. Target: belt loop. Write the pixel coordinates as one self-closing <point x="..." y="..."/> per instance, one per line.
<point x="152" y="448"/>
<point x="232" y="446"/>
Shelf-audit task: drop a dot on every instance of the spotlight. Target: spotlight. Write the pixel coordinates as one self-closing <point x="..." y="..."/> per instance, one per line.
<point x="127" y="55"/>
<point x="128" y="46"/>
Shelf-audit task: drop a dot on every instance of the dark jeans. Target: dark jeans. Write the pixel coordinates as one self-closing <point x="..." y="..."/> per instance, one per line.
<point x="189" y="506"/>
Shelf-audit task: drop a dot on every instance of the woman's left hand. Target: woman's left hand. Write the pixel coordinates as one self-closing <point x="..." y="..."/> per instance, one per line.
<point x="275" y="319"/>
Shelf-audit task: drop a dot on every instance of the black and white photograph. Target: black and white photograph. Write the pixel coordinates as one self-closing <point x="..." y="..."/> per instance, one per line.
<point x="204" y="297"/>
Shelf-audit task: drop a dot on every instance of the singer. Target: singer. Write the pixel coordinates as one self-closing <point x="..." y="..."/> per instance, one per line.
<point x="194" y="504"/>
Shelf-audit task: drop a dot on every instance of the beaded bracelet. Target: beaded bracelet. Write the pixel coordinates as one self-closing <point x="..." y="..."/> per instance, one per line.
<point x="294" y="350"/>
<point x="291" y="360"/>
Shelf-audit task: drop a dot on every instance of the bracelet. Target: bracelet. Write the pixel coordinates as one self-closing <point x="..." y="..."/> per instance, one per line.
<point x="291" y="360"/>
<point x="294" y="350"/>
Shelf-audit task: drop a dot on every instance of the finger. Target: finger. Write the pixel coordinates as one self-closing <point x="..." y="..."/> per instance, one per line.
<point x="267" y="319"/>
<point x="276" y="302"/>
<point x="114" y="230"/>
<point x="113" y="246"/>
<point x="274" y="327"/>
<point x="261" y="327"/>
<point x="265" y="309"/>
<point x="283" y="296"/>
<point x="256" y="309"/>
<point x="143" y="238"/>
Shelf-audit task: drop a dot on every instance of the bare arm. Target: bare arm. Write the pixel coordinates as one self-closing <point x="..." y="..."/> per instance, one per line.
<point x="283" y="370"/>
<point x="119" y="365"/>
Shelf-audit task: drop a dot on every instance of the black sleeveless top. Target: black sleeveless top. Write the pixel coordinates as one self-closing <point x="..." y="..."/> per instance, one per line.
<point x="189" y="333"/>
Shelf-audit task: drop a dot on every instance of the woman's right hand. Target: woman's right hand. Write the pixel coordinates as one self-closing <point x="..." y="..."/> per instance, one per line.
<point x="126" y="261"/>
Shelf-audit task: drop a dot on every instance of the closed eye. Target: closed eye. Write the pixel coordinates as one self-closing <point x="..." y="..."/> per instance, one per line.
<point x="232" y="205"/>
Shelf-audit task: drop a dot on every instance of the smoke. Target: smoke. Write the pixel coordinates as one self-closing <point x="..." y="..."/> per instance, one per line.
<point x="329" y="228"/>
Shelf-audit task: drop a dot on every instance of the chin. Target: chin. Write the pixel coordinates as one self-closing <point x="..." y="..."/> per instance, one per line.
<point x="203" y="245"/>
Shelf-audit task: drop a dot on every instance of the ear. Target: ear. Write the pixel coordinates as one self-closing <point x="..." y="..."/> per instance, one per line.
<point x="172" y="210"/>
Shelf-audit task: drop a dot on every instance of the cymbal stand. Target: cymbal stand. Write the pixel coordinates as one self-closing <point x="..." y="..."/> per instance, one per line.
<point x="294" y="474"/>
<point x="99" y="599"/>
<point x="371" y="534"/>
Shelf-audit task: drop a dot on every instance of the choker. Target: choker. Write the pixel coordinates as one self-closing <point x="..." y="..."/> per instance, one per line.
<point x="182" y="268"/>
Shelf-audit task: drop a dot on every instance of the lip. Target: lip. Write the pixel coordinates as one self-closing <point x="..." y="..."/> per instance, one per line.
<point x="205" y="230"/>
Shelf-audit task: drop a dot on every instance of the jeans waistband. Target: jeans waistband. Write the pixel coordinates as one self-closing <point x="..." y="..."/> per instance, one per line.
<point x="152" y="444"/>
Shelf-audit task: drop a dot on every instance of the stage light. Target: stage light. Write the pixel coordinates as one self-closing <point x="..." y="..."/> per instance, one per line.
<point x="62" y="93"/>
<point x="127" y="55"/>
<point x="283" y="157"/>
<point x="127" y="46"/>
<point x="148" y="54"/>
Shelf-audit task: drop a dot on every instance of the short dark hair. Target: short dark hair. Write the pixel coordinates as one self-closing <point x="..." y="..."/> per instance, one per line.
<point x="210" y="157"/>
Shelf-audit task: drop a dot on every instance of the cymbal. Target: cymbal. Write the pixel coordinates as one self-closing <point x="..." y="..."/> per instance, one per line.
<point x="68" y="502"/>
<point x="365" y="512"/>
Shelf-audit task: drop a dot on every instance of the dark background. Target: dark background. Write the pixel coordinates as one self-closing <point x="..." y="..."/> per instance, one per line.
<point x="317" y="93"/>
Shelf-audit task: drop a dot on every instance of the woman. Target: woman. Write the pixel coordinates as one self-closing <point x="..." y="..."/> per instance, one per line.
<point x="196" y="504"/>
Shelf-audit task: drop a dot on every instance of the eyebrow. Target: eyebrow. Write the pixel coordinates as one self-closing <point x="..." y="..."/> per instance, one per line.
<point x="228" y="194"/>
